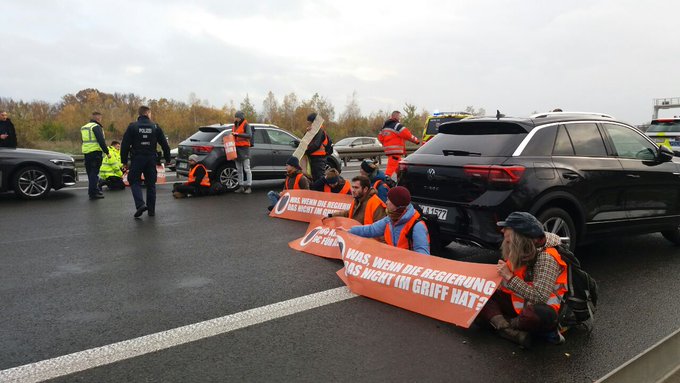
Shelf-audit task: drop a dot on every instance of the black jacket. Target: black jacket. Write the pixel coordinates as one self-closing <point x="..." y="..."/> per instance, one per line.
<point x="6" y="127"/>
<point x="141" y="138"/>
<point x="99" y="136"/>
<point x="317" y="141"/>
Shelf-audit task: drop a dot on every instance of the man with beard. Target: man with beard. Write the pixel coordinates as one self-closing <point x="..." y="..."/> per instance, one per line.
<point x="366" y="207"/>
<point x="534" y="282"/>
<point x="294" y="180"/>
<point x="403" y="226"/>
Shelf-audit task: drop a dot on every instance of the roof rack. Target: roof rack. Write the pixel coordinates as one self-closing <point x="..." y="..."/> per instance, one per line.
<point x="549" y="114"/>
<point x="451" y="113"/>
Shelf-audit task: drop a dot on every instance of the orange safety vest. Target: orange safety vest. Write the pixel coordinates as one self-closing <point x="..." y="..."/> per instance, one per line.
<point x="322" y="149"/>
<point x="378" y="182"/>
<point x="372" y="204"/>
<point x="346" y="189"/>
<point x="403" y="238"/>
<point x="393" y="140"/>
<point x="192" y="176"/>
<point x="558" y="292"/>
<point x="296" y="185"/>
<point x="241" y="129"/>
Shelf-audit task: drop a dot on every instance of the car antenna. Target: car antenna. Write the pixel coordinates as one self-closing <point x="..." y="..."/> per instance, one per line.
<point x="499" y="114"/>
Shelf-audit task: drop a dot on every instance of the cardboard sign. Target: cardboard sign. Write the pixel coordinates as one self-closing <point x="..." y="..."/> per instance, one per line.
<point x="305" y="205"/>
<point x="229" y="146"/>
<point x="307" y="138"/>
<point x="160" y="176"/>
<point x="320" y="237"/>
<point x="447" y="290"/>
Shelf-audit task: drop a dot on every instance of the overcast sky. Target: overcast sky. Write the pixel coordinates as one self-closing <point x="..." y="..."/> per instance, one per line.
<point x="611" y="56"/>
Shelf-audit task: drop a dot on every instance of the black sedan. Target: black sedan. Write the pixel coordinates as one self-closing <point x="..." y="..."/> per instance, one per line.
<point x="33" y="173"/>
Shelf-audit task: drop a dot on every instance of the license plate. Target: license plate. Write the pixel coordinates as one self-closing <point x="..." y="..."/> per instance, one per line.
<point x="440" y="212"/>
<point x="182" y="165"/>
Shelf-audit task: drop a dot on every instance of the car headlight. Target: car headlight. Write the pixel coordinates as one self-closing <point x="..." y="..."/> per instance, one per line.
<point x="64" y="163"/>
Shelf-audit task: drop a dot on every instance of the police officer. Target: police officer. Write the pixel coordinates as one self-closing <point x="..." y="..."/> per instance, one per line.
<point x="92" y="136"/>
<point x="140" y="139"/>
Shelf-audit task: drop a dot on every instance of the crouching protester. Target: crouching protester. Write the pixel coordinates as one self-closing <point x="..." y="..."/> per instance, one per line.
<point x="332" y="182"/>
<point x="402" y="227"/>
<point x="294" y="180"/>
<point x="534" y="281"/>
<point x="198" y="183"/>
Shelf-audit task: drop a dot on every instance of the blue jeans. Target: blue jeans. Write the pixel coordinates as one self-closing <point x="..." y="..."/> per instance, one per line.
<point x="93" y="161"/>
<point x="143" y="164"/>
<point x="273" y="197"/>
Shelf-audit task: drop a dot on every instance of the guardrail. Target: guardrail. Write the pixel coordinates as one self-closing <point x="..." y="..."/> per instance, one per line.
<point x="376" y="155"/>
<point x="80" y="159"/>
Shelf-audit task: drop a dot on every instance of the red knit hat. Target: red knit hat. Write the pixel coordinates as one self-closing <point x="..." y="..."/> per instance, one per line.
<point x="399" y="196"/>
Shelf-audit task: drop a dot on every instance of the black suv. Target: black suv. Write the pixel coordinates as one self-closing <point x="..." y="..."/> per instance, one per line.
<point x="583" y="175"/>
<point x="272" y="146"/>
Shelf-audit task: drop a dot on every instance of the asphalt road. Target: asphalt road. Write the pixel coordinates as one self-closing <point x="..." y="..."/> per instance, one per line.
<point x="79" y="274"/>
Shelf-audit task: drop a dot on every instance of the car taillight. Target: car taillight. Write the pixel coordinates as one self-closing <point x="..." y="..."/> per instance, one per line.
<point x="202" y="149"/>
<point x="495" y="173"/>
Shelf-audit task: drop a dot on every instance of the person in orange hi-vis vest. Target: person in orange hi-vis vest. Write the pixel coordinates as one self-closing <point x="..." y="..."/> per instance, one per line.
<point x="403" y="226"/>
<point x="198" y="182"/>
<point x="294" y="180"/>
<point x="393" y="136"/>
<point x="332" y="182"/>
<point x="318" y="149"/>
<point x="366" y="207"/>
<point x="243" y="135"/>
<point x="534" y="282"/>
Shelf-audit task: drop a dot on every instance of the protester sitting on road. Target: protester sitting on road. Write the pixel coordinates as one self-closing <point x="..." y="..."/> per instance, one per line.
<point x="377" y="177"/>
<point x="366" y="206"/>
<point x="198" y="183"/>
<point x="294" y="180"/>
<point x="534" y="281"/>
<point x="111" y="170"/>
<point x="402" y="227"/>
<point x="332" y="182"/>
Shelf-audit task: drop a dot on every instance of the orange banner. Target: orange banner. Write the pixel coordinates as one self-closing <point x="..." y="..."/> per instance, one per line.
<point x="447" y="290"/>
<point x="160" y="176"/>
<point x="229" y="146"/>
<point x="305" y="205"/>
<point x="320" y="237"/>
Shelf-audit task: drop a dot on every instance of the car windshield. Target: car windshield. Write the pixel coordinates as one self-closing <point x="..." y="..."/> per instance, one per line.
<point x="664" y="126"/>
<point x="488" y="139"/>
<point x="204" y="135"/>
<point x="433" y="124"/>
<point x="345" y="141"/>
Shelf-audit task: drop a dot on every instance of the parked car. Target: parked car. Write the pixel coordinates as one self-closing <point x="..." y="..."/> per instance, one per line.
<point x="351" y="144"/>
<point x="436" y="119"/>
<point x="272" y="146"/>
<point x="582" y="175"/>
<point x="666" y="131"/>
<point x="33" y="173"/>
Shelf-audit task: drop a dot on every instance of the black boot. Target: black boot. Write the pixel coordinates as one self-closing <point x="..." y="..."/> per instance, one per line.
<point x="504" y="330"/>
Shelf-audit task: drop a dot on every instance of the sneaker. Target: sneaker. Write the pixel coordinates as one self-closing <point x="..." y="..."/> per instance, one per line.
<point x="247" y="190"/>
<point x="140" y="211"/>
<point x="554" y="337"/>
<point x="152" y="213"/>
<point x="178" y="195"/>
<point x="97" y="196"/>
<point x="239" y="190"/>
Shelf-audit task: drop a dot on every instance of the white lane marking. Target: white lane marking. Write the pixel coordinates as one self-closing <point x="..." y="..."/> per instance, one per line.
<point x="100" y="356"/>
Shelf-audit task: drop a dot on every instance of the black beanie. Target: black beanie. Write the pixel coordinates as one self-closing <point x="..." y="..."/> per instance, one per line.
<point x="311" y="117"/>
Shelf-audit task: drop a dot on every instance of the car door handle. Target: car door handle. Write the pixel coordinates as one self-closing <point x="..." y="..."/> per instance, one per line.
<point x="571" y="176"/>
<point x="633" y="175"/>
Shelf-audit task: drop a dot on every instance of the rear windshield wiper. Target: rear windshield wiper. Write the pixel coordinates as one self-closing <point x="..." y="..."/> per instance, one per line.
<point x="449" y="152"/>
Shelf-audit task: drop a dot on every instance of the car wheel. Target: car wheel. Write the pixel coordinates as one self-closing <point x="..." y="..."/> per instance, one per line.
<point x="32" y="182"/>
<point x="228" y="176"/>
<point x="558" y="221"/>
<point x="672" y="235"/>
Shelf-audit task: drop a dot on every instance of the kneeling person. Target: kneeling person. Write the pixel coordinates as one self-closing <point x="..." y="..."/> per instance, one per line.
<point x="332" y="182"/>
<point x="198" y="183"/>
<point x="111" y="170"/>
<point x="294" y="180"/>
<point x="402" y="227"/>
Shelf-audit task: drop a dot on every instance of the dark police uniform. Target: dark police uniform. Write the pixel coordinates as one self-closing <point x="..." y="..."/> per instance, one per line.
<point x="140" y="140"/>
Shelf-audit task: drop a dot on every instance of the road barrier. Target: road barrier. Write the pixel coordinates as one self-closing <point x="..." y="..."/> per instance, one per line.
<point x="376" y="155"/>
<point x="659" y="363"/>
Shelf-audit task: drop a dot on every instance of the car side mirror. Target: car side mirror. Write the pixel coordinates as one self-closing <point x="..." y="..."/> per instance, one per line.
<point x="664" y="154"/>
<point x="295" y="143"/>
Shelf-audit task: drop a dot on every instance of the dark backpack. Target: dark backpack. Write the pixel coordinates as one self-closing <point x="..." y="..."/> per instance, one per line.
<point x="432" y="223"/>
<point x="580" y="299"/>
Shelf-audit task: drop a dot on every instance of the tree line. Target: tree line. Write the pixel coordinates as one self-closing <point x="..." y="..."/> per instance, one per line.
<point x="40" y="124"/>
